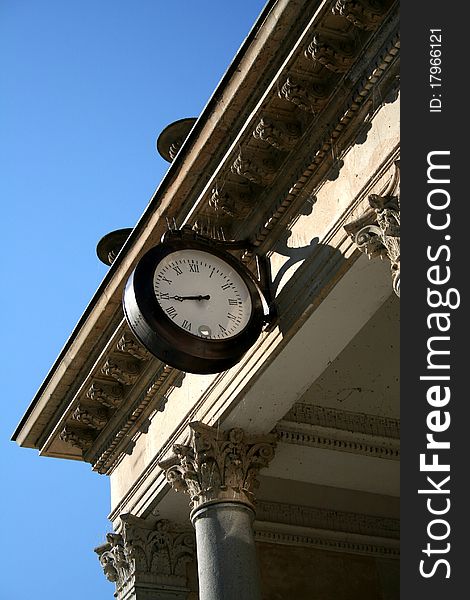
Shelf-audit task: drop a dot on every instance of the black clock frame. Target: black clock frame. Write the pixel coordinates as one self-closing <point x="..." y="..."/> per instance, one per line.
<point x="163" y="338"/>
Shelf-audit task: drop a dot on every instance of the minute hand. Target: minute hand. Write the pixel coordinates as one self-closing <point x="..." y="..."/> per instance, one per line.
<point x="181" y="298"/>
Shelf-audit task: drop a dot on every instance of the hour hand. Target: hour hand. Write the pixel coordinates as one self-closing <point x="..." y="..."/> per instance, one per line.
<point x="181" y="298"/>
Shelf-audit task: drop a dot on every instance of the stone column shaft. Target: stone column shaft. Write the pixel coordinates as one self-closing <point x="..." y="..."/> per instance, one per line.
<point x="219" y="471"/>
<point x="226" y="553"/>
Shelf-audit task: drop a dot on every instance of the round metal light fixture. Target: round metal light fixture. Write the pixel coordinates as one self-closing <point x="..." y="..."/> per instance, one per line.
<point x="172" y="137"/>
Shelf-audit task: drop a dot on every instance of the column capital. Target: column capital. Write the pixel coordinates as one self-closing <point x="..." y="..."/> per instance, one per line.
<point x="377" y="232"/>
<point x="147" y="556"/>
<point x="218" y="466"/>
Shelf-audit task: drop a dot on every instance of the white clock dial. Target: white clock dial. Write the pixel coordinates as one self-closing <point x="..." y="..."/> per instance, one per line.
<point x="202" y="294"/>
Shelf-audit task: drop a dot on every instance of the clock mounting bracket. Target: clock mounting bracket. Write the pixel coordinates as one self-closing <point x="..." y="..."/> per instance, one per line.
<point x="262" y="263"/>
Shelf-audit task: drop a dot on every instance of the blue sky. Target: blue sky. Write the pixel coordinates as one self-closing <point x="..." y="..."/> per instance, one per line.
<point x="86" y="87"/>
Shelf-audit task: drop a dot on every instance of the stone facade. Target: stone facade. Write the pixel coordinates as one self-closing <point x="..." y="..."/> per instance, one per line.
<point x="288" y="462"/>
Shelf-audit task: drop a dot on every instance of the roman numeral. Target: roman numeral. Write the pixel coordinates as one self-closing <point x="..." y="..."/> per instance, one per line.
<point x="193" y="268"/>
<point x="177" y="270"/>
<point x="222" y="329"/>
<point x="225" y="286"/>
<point x="186" y="325"/>
<point x="164" y="296"/>
<point x="167" y="280"/>
<point x="171" y="312"/>
<point x="230" y="316"/>
<point x="232" y="302"/>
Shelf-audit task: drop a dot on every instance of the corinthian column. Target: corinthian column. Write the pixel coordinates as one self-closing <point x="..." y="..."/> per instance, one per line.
<point x="218" y="470"/>
<point x="147" y="560"/>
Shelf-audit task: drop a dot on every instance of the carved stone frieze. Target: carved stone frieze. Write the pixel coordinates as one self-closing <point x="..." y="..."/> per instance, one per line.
<point x="327" y="519"/>
<point x="151" y="554"/>
<point x="109" y="396"/>
<point x="364" y="14"/>
<point x="340" y="440"/>
<point x="279" y="135"/>
<point x="308" y="96"/>
<point x="323" y="541"/>
<point x="79" y="438"/>
<point x="218" y="466"/>
<point x="345" y="420"/>
<point x="260" y="171"/>
<point x="377" y="78"/>
<point x="125" y="372"/>
<point x="129" y="345"/>
<point x="336" y="54"/>
<point x="335" y="44"/>
<point x="96" y="419"/>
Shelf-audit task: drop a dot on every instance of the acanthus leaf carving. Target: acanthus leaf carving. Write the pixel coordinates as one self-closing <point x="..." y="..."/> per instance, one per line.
<point x="113" y="558"/>
<point x="233" y="203"/>
<point x="308" y="97"/>
<point x="125" y="372"/>
<point x="80" y="438"/>
<point x="217" y="466"/>
<point x="222" y="201"/>
<point x="155" y="553"/>
<point x="96" y="419"/>
<point x="261" y="171"/>
<point x="377" y="233"/>
<point x="131" y="346"/>
<point x="364" y="14"/>
<point x="279" y="135"/>
<point x="335" y="54"/>
<point x="109" y="396"/>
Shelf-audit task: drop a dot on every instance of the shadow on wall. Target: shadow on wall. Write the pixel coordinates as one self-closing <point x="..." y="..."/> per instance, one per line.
<point x="314" y="267"/>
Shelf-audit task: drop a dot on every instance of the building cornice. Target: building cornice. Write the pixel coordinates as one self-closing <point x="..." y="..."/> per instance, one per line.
<point x="234" y="95"/>
<point x="272" y="128"/>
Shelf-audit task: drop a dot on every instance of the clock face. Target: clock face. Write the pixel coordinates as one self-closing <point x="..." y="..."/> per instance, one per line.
<point x="193" y="305"/>
<point x="202" y="294"/>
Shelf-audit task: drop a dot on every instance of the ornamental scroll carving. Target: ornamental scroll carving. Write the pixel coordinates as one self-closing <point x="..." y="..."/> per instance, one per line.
<point x="125" y="372"/>
<point x="110" y="396"/>
<point x="234" y="202"/>
<point x="282" y="136"/>
<point x="79" y="438"/>
<point x="364" y="14"/>
<point x="129" y="345"/>
<point x="218" y="466"/>
<point x="154" y="554"/>
<point x="261" y="172"/>
<point x="377" y="232"/>
<point x="335" y="54"/>
<point x="95" y="419"/>
<point x="309" y="97"/>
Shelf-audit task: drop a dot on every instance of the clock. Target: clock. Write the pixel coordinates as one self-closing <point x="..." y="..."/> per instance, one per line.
<point x="194" y="305"/>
